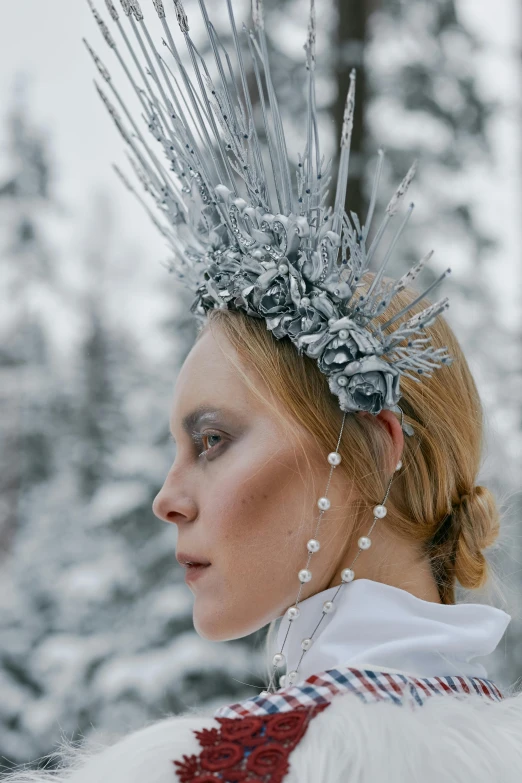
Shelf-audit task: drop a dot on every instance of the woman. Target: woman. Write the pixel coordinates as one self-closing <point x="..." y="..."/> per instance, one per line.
<point x="302" y="491"/>
<point x="389" y="690"/>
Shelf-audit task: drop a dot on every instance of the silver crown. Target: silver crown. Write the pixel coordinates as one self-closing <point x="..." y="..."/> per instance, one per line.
<point x="242" y="235"/>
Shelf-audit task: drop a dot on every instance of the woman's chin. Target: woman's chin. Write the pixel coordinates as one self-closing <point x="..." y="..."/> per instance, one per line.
<point x="210" y="619"/>
<point x="213" y="622"/>
<point x="207" y="629"/>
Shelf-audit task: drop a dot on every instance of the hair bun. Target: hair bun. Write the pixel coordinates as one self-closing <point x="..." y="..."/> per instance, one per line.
<point x="477" y="521"/>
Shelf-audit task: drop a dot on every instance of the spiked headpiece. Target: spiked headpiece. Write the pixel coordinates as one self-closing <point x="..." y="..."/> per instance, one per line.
<point x="247" y="233"/>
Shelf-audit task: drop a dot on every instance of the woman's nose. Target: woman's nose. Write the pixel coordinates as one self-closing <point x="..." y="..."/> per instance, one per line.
<point x="171" y="504"/>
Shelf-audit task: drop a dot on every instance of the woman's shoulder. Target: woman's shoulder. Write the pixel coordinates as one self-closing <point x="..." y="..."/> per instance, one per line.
<point x="445" y="738"/>
<point x="147" y="754"/>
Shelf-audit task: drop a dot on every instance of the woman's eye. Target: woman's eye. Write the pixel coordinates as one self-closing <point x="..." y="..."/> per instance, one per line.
<point x="208" y="441"/>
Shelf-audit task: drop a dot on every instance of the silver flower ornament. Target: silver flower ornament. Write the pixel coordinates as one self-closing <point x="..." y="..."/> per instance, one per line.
<point x="368" y="384"/>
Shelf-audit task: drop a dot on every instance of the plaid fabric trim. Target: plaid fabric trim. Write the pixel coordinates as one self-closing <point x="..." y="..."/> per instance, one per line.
<point x="369" y="685"/>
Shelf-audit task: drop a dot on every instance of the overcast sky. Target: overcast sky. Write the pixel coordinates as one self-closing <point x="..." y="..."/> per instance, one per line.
<point x="43" y="39"/>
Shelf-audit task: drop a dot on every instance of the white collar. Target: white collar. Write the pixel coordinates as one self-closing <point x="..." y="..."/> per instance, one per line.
<point x="378" y="626"/>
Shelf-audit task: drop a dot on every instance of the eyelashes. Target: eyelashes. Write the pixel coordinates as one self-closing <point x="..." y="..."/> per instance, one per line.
<point x="201" y="438"/>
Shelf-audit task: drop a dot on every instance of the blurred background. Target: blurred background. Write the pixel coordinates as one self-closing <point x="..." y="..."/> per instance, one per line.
<point x="95" y="619"/>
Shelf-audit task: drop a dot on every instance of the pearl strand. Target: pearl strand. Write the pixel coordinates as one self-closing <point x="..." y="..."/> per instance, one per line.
<point x="305" y="575"/>
<point x="313" y="546"/>
<point x="347" y="575"/>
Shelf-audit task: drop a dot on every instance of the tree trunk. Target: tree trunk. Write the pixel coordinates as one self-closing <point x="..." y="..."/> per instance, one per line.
<point x="350" y="39"/>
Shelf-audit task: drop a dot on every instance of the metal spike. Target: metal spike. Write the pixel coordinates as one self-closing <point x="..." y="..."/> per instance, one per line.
<point x="181" y="16"/>
<point x="268" y="132"/>
<point x="226" y="174"/>
<point x="198" y="109"/>
<point x="258" y="14"/>
<point x="417" y="300"/>
<point x="344" y="162"/>
<point x="112" y="10"/>
<point x="103" y="27"/>
<point x="412" y="273"/>
<point x="373" y="197"/>
<point x="160" y="8"/>
<point x="346" y="133"/>
<point x="312" y="34"/>
<point x="279" y="136"/>
<point x="104" y="73"/>
<point x="136" y="10"/>
<point x="378" y="277"/>
<point x="248" y="101"/>
<point x="393" y="206"/>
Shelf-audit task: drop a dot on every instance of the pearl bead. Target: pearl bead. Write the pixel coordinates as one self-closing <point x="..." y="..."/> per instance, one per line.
<point x="344" y="334"/>
<point x="364" y="542"/>
<point x="328" y="607"/>
<point x="291" y="677"/>
<point x="306" y="644"/>
<point x="347" y="575"/>
<point x="334" y="458"/>
<point x="353" y="366"/>
<point x="342" y="380"/>
<point x="324" y="504"/>
<point x="283" y="268"/>
<point x="399" y="465"/>
<point x="264" y="693"/>
<point x="305" y="301"/>
<point x="282" y="681"/>
<point x="313" y="546"/>
<point x="305" y="575"/>
<point x="380" y="511"/>
<point x="293" y="613"/>
<point x="331" y="321"/>
<point x="278" y="659"/>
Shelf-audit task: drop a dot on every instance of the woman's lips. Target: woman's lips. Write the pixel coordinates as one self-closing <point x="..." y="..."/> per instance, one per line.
<point x="186" y="558"/>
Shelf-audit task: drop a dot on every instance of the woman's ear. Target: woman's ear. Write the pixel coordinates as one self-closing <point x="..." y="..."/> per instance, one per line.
<point x="389" y="420"/>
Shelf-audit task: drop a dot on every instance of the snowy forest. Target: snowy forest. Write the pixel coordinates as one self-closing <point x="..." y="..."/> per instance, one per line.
<point x="96" y="627"/>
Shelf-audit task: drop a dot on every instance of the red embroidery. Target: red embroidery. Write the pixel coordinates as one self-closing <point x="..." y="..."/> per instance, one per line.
<point x="247" y="750"/>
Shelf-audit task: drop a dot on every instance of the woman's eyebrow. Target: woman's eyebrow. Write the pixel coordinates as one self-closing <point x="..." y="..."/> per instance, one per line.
<point x="202" y="412"/>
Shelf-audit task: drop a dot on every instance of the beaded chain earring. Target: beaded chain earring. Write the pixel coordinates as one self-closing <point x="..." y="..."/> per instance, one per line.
<point x="305" y="575"/>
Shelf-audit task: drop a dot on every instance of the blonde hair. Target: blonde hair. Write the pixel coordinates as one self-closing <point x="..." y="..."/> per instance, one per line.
<point x="433" y="501"/>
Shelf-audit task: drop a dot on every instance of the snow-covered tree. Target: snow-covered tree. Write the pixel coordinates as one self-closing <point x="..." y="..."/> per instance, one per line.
<point x="95" y="621"/>
<point x="27" y="276"/>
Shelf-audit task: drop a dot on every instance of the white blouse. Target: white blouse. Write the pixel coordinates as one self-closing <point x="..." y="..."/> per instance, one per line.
<point x="385" y="628"/>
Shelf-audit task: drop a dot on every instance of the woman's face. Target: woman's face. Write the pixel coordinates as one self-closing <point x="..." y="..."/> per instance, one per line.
<point x="243" y="493"/>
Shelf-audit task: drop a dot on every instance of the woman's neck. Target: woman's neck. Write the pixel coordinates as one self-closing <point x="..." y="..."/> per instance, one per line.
<point x="393" y="562"/>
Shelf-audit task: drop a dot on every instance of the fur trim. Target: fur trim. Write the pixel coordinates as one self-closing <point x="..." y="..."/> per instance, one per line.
<point x="143" y="756"/>
<point x="450" y="739"/>
<point x="447" y="739"/>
